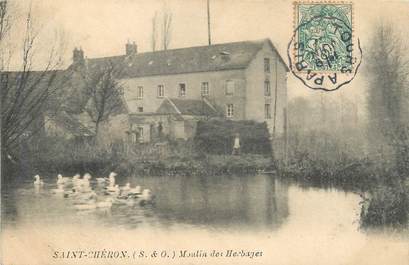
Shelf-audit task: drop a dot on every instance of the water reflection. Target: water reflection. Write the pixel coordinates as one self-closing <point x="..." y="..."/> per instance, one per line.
<point x="292" y="225"/>
<point x="257" y="202"/>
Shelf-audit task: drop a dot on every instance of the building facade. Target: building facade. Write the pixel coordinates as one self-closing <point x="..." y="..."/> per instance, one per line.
<point x="238" y="81"/>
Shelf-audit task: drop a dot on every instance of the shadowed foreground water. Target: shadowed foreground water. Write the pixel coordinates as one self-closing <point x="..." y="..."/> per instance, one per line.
<point x="290" y="225"/>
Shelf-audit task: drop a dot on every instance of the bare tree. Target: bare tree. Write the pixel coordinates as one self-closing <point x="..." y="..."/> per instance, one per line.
<point x="4" y="19"/>
<point x="105" y="94"/>
<point x="5" y="25"/>
<point x="154" y="32"/>
<point x="26" y="93"/>
<point x="166" y="29"/>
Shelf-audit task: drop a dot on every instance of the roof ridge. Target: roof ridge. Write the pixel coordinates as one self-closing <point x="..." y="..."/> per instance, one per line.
<point x="208" y="58"/>
<point x="258" y="41"/>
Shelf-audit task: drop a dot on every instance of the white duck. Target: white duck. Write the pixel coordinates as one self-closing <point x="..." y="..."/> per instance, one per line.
<point x="38" y="181"/>
<point x="111" y="178"/>
<point x="87" y="176"/>
<point x="101" y="180"/>
<point x="136" y="190"/>
<point x="113" y="189"/>
<point x="59" y="190"/>
<point x="85" y="189"/>
<point x="126" y="188"/>
<point x="70" y="193"/>
<point x="83" y="184"/>
<point x="146" y="197"/>
<point x="76" y="178"/>
<point x="62" y="180"/>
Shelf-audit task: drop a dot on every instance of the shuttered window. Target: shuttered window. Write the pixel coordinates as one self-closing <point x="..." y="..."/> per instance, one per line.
<point x="140" y="92"/>
<point x="161" y="91"/>
<point x="229" y="110"/>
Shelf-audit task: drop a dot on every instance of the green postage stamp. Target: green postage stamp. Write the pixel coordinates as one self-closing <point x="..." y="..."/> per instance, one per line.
<point x="323" y="52"/>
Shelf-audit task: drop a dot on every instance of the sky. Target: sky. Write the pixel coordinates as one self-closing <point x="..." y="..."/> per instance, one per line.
<point x="102" y="27"/>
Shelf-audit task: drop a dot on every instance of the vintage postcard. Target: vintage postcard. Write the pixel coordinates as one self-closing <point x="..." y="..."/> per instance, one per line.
<point x="268" y="132"/>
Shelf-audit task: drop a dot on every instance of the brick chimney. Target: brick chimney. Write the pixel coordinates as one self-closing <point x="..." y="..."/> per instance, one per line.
<point x="131" y="48"/>
<point x="78" y="56"/>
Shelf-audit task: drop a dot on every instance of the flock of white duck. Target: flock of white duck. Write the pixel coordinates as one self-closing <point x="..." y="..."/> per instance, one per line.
<point x="85" y="198"/>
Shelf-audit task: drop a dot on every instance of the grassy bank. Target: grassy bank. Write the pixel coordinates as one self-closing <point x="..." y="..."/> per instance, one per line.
<point x="347" y="174"/>
<point x="208" y="165"/>
<point x="384" y="191"/>
<point x="56" y="156"/>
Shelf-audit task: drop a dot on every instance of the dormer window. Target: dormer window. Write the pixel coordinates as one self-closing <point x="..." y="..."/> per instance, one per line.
<point x="225" y="55"/>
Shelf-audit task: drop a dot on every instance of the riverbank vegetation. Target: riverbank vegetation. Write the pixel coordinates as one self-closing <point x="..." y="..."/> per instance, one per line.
<point x="383" y="189"/>
<point x="388" y="126"/>
<point x="330" y="144"/>
<point x="54" y="155"/>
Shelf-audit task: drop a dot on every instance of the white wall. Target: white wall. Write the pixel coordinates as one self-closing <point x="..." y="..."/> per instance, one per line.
<point x="256" y="99"/>
<point x="216" y="80"/>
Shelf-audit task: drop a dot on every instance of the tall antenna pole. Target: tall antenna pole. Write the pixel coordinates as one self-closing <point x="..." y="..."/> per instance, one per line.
<point x="208" y="22"/>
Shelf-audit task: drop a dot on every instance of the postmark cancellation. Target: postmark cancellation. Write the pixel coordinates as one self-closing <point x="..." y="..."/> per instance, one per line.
<point x="323" y="52"/>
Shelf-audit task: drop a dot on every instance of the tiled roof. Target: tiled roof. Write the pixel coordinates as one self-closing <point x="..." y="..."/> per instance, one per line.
<point x="226" y="56"/>
<point x="70" y="124"/>
<point x="187" y="107"/>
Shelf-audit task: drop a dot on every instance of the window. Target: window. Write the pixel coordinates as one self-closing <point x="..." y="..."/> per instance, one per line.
<point x="229" y="87"/>
<point x="161" y="91"/>
<point x="267" y="65"/>
<point x="140" y="134"/>
<point x="267" y="111"/>
<point x="140" y="92"/>
<point x="182" y="90"/>
<point x="133" y="137"/>
<point x="229" y="110"/>
<point x="267" y="88"/>
<point x="205" y="88"/>
<point x="140" y="109"/>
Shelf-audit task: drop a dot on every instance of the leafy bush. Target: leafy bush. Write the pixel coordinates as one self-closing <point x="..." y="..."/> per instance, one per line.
<point x="386" y="206"/>
<point x="217" y="136"/>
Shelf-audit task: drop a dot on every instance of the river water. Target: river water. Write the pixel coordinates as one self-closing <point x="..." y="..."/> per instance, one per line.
<point x="283" y="222"/>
